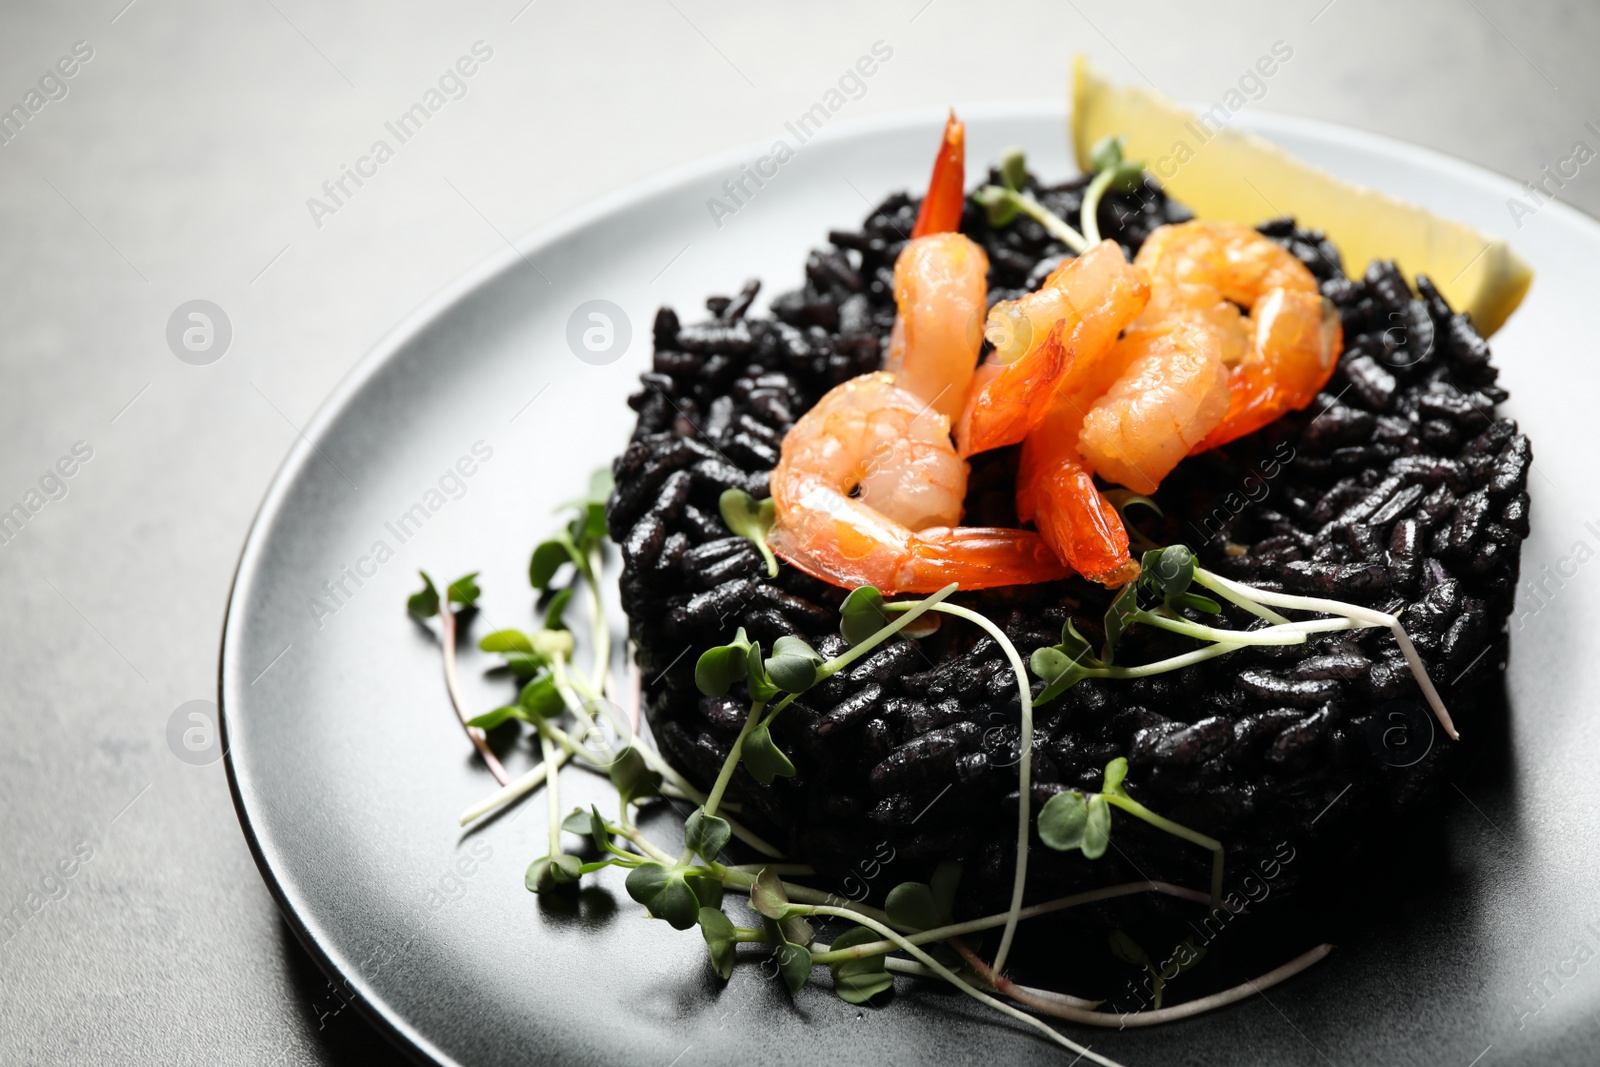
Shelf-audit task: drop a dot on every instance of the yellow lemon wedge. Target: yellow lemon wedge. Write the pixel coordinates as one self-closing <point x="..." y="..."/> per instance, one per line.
<point x="1222" y="173"/>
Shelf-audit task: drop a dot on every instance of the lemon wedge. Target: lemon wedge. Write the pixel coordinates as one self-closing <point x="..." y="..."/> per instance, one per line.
<point x="1223" y="173"/>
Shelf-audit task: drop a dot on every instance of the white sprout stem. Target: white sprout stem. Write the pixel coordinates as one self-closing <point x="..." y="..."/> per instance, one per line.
<point x="514" y="790"/>
<point x="601" y="627"/>
<point x="553" y="794"/>
<point x="950" y="976"/>
<point x="1089" y="213"/>
<point x="1248" y="988"/>
<point x="912" y="611"/>
<point x="1353" y="611"/>
<point x="802" y="894"/>
<point x="989" y="922"/>
<point x="1052" y="223"/>
<point x="452" y="685"/>
<point x="1024" y="773"/>
<point x="1205" y="578"/>
<point x="1272" y="635"/>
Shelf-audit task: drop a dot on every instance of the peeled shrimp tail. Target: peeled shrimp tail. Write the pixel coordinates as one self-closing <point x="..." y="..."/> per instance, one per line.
<point x="941" y="208"/>
<point x="839" y="540"/>
<point x="1058" y="494"/>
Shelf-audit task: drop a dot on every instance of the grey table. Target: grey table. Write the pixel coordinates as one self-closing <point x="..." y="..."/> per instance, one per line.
<point x="179" y="153"/>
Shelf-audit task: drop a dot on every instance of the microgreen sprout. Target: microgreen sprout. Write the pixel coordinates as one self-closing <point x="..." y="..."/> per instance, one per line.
<point x="1003" y="202"/>
<point x="1072" y="821"/>
<point x="1111" y="172"/>
<point x="460" y="595"/>
<point x="751" y="519"/>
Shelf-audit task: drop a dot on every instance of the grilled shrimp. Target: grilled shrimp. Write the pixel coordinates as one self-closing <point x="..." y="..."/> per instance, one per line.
<point x="1092" y="297"/>
<point x="868" y="491"/>
<point x="1294" y="335"/>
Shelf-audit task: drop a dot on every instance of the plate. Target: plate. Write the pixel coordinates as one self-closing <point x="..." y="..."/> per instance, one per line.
<point x="449" y="446"/>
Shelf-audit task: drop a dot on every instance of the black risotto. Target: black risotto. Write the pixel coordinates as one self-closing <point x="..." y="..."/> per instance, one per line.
<point x="1399" y="488"/>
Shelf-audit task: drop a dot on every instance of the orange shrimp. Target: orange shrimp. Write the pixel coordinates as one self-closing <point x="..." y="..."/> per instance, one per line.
<point x="940" y="288"/>
<point x="868" y="491"/>
<point x="1055" y="488"/>
<point x="1171" y="394"/>
<point x="1294" y="334"/>
<point x="1092" y="297"/>
<point x="941" y="208"/>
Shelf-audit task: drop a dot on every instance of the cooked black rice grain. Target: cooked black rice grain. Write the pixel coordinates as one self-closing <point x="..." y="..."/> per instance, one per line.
<point x="1399" y="488"/>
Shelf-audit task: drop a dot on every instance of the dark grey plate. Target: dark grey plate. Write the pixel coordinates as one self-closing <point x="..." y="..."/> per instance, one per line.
<point x="348" y="769"/>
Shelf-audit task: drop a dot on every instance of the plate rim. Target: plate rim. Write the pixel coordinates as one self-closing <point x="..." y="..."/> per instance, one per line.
<point x="384" y="1018"/>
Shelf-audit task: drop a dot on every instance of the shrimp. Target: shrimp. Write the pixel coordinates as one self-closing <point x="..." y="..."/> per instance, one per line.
<point x="1171" y="394"/>
<point x="1294" y="334"/>
<point x="868" y="491"/>
<point x="1055" y="487"/>
<point x="1092" y="297"/>
<point x="940" y="288"/>
<point x="947" y="188"/>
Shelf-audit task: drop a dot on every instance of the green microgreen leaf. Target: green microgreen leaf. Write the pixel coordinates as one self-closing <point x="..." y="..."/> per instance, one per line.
<point x="633" y="777"/>
<point x="756" y="681"/>
<point x="1063" y="666"/>
<point x="912" y="905"/>
<point x="540" y="698"/>
<point x="577" y="823"/>
<point x="523" y="664"/>
<point x="506" y="641"/>
<point x="767" y="895"/>
<point x="1097" y="829"/>
<point x="1119" y="616"/>
<point x="1063" y="819"/>
<point x="548" y="558"/>
<point x="596" y="829"/>
<point x="762" y="757"/>
<point x="464" y="590"/>
<point x="1127" y="949"/>
<point x="999" y="204"/>
<point x="718" y="668"/>
<point x="1106" y="153"/>
<point x="1170" y="572"/>
<point x="665" y="893"/>
<point x="721" y="940"/>
<point x="706" y="886"/>
<point x="1013" y="168"/>
<point x="706" y="835"/>
<point x="751" y="519"/>
<point x="491" y="719"/>
<point x="426" y="603"/>
<point x="549" y="873"/>
<point x="1116" y="773"/>
<point x="557" y="607"/>
<point x="857" y="981"/>
<point x="862" y="614"/>
<point x="551" y="643"/>
<point x="794" y="963"/>
<point x="793" y="664"/>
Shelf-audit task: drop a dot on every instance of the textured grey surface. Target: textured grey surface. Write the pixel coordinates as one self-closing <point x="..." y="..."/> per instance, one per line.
<point x="178" y="166"/>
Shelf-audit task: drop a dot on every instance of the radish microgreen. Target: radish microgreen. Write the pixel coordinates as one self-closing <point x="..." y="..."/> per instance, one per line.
<point x="751" y="519"/>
